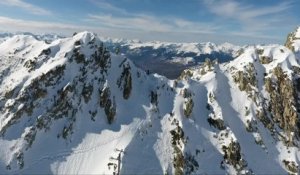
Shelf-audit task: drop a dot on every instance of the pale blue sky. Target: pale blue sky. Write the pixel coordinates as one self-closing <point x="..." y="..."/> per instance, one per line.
<point x="235" y="21"/>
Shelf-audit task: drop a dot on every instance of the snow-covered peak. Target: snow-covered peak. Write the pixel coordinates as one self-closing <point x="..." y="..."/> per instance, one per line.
<point x="18" y="44"/>
<point x="296" y="40"/>
<point x="297" y="35"/>
<point x="267" y="58"/>
<point x="198" y="48"/>
<point x="293" y="41"/>
<point x="109" y="40"/>
<point x="45" y="37"/>
<point x="85" y="37"/>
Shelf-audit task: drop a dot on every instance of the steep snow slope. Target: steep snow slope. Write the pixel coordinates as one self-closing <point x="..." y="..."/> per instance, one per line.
<point x="56" y="102"/>
<point x="67" y="108"/>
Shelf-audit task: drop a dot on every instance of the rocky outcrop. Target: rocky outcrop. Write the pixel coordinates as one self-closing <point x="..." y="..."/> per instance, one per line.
<point x="282" y="103"/>
<point x="125" y="81"/>
<point x="291" y="166"/>
<point x="188" y="104"/>
<point x="246" y="80"/>
<point x="293" y="40"/>
<point x="232" y="155"/>
<point x="108" y="104"/>
<point x="217" y="123"/>
<point x="177" y="143"/>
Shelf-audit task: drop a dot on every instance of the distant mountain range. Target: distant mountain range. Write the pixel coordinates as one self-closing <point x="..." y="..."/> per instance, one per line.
<point x="45" y="37"/>
<point x="170" y="59"/>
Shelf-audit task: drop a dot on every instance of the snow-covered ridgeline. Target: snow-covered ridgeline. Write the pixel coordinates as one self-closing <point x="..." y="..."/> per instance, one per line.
<point x="67" y="106"/>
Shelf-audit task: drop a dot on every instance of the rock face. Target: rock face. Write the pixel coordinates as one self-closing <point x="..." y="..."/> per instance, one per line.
<point x="232" y="154"/>
<point x="73" y="107"/>
<point x="293" y="40"/>
<point x="283" y="104"/>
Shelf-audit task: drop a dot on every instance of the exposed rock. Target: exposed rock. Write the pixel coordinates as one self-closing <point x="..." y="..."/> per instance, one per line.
<point x="87" y="92"/>
<point x="45" y="52"/>
<point x="251" y="126"/>
<point x="67" y="130"/>
<point x="153" y="98"/>
<point x="177" y="141"/>
<point x="217" y="123"/>
<point x="291" y="166"/>
<point x="282" y="104"/>
<point x="188" y="107"/>
<point x="9" y="94"/>
<point x="185" y="75"/>
<point x="78" y="56"/>
<point x="20" y="159"/>
<point x="125" y="81"/>
<point x="246" y="80"/>
<point x="261" y="115"/>
<point x="30" y="64"/>
<point x="108" y="104"/>
<point x="102" y="58"/>
<point x="240" y="52"/>
<point x="185" y="93"/>
<point x="232" y="155"/>
<point x="30" y="136"/>
<point x="265" y="59"/>
<point x="259" y="51"/>
<point x="290" y="40"/>
<point x="209" y="64"/>
<point x="269" y="85"/>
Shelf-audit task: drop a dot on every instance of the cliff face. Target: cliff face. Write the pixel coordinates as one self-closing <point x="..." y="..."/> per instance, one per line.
<point x="293" y="40"/>
<point x="73" y="107"/>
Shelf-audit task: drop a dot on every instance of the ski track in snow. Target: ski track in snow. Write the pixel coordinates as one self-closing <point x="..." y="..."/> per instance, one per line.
<point x="65" y="153"/>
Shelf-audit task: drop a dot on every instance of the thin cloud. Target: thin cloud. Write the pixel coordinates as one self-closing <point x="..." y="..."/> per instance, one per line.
<point x="14" y="25"/>
<point x="125" y="20"/>
<point x="108" y="7"/>
<point x="143" y="23"/>
<point x="194" y="27"/>
<point x="11" y="24"/>
<point x="251" y="18"/>
<point x="237" y="10"/>
<point x="254" y="35"/>
<point x="151" y="23"/>
<point x="26" y="6"/>
<point x="255" y="13"/>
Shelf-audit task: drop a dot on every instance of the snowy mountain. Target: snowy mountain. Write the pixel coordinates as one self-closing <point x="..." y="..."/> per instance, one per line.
<point x="293" y="41"/>
<point x="5" y="36"/>
<point x="170" y="59"/>
<point x="46" y="37"/>
<point x="73" y="107"/>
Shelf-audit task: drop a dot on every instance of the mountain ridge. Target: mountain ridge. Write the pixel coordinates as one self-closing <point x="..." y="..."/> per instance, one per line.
<point x="166" y="58"/>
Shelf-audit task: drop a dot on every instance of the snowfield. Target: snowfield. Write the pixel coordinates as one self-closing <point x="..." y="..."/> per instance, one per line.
<point x="72" y="107"/>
